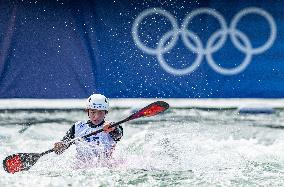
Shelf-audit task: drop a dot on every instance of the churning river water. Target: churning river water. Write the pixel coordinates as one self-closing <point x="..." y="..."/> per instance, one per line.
<point x="182" y="147"/>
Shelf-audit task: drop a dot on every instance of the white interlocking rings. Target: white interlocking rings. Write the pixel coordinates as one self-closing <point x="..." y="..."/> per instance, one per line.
<point x="215" y="42"/>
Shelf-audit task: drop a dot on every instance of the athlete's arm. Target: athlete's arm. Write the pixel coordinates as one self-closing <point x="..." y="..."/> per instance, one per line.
<point x="60" y="147"/>
<point x="115" y="132"/>
<point x="70" y="134"/>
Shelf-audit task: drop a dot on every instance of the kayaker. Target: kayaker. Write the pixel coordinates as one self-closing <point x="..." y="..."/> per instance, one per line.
<point x="100" y="145"/>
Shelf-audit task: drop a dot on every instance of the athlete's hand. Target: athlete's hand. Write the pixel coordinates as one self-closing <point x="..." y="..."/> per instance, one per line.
<point x="107" y="127"/>
<point x="59" y="147"/>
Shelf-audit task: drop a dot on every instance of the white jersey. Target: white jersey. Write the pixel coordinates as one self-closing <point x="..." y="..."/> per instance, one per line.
<point x="100" y="145"/>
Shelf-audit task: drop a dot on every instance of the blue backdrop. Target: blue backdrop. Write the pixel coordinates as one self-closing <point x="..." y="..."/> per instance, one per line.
<point x="186" y="49"/>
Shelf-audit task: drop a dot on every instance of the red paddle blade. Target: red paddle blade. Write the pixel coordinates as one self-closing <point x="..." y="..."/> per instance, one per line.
<point x="13" y="164"/>
<point x="20" y="162"/>
<point x="151" y="110"/>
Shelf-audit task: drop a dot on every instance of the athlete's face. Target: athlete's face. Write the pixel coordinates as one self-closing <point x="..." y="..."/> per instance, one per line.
<point x="96" y="116"/>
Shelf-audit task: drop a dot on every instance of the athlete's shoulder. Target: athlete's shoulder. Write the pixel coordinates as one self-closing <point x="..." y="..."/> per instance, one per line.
<point x="80" y="124"/>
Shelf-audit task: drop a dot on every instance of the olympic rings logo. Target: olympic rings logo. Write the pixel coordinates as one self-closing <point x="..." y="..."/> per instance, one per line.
<point x="245" y="46"/>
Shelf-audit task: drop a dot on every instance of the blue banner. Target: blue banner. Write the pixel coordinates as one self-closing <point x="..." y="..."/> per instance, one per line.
<point x="129" y="49"/>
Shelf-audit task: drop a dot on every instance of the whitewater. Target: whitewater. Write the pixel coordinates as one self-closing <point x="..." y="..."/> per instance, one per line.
<point x="186" y="146"/>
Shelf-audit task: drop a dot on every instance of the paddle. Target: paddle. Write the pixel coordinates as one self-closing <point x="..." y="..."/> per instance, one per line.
<point x="23" y="161"/>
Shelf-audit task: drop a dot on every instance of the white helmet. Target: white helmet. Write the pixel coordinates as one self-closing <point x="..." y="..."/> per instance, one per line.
<point x="97" y="101"/>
